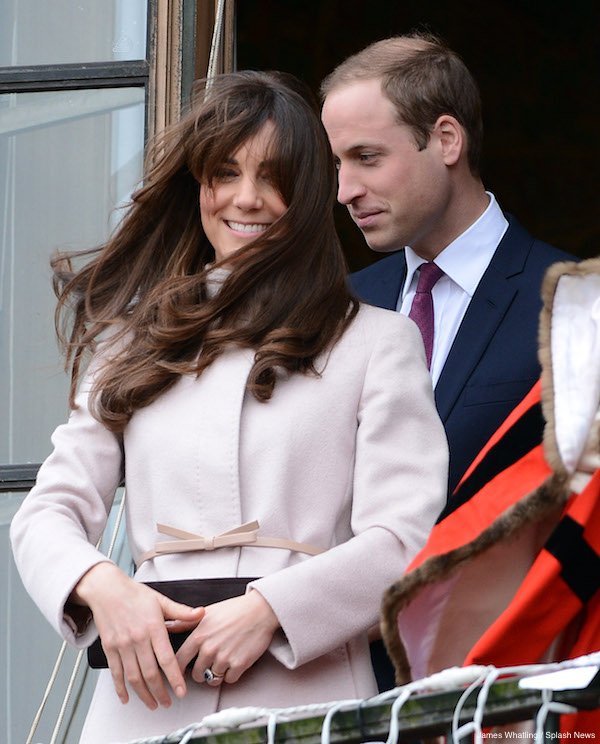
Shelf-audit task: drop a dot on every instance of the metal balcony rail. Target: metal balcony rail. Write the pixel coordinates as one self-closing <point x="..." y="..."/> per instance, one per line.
<point x="473" y="699"/>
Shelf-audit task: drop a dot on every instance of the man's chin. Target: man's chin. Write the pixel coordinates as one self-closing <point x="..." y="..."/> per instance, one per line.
<point x="380" y="246"/>
<point x="378" y="239"/>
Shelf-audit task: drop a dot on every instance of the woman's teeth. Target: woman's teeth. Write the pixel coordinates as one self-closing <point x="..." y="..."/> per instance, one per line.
<point x="241" y="227"/>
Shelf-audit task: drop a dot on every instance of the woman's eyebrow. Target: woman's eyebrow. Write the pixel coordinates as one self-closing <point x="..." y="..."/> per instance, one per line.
<point x="268" y="162"/>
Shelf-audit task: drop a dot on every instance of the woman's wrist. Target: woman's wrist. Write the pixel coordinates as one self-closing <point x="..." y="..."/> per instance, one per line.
<point x="268" y="617"/>
<point x="86" y="588"/>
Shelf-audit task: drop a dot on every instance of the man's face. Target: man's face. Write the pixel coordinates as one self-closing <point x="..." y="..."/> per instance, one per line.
<point x="396" y="194"/>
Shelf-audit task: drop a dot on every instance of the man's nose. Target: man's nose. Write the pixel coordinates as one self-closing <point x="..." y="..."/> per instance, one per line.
<point x="349" y="186"/>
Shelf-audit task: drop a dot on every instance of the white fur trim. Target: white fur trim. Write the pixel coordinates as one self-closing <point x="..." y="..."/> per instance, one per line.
<point x="575" y="348"/>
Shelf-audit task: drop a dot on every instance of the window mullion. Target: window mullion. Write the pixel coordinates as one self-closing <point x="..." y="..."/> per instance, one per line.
<point x="36" y="78"/>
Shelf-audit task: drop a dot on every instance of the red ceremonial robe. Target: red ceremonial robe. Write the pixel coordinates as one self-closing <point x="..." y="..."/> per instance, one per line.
<point x="511" y="571"/>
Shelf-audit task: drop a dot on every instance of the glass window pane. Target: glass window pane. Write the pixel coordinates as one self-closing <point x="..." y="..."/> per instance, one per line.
<point x="63" y="31"/>
<point x="66" y="161"/>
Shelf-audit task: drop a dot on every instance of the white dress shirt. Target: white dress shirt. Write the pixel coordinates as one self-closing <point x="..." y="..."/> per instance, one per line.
<point x="463" y="262"/>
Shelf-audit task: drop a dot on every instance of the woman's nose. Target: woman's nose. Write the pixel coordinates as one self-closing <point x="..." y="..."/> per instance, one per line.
<point x="247" y="195"/>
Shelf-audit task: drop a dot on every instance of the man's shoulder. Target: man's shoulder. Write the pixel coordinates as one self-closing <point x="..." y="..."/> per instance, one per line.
<point x="537" y="251"/>
<point x="382" y="265"/>
<point x="379" y="284"/>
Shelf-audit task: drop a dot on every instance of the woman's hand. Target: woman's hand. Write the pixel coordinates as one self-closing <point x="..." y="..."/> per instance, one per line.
<point x="231" y="637"/>
<point x="130" y="618"/>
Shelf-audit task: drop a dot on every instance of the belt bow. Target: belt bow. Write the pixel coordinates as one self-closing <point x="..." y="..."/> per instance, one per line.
<point x="244" y="535"/>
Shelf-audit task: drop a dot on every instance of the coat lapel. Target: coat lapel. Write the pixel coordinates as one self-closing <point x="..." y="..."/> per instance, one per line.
<point x="486" y="310"/>
<point x="218" y="431"/>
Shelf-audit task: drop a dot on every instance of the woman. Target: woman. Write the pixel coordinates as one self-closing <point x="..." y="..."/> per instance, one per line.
<point x="236" y="380"/>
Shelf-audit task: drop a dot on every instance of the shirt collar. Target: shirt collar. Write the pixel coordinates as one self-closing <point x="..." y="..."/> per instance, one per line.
<point x="467" y="257"/>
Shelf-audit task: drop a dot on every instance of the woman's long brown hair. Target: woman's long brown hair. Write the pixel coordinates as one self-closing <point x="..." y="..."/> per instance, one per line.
<point x="286" y="296"/>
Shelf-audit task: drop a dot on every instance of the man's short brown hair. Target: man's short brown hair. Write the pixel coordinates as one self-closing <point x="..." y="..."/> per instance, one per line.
<point x="424" y="79"/>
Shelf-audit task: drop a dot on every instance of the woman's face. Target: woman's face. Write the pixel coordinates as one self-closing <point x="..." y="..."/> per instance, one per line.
<point x="243" y="201"/>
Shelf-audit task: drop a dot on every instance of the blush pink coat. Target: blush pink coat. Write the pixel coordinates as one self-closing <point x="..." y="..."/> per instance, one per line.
<point x="353" y="461"/>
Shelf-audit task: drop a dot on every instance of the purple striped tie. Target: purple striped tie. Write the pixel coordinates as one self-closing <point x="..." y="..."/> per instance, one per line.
<point x="421" y="310"/>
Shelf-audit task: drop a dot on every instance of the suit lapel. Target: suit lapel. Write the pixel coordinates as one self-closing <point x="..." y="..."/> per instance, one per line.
<point x="392" y="283"/>
<point x="486" y="310"/>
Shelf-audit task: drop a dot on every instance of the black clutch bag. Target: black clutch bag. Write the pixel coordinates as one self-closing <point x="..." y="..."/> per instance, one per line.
<point x="192" y="592"/>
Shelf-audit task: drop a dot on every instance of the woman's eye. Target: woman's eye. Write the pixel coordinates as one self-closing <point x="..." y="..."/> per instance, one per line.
<point x="267" y="177"/>
<point x="225" y="174"/>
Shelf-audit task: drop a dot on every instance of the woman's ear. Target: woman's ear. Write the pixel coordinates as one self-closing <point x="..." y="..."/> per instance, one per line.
<point x="452" y="138"/>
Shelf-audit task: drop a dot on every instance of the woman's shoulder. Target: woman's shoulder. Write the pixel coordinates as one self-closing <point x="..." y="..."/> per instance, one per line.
<point x="375" y="331"/>
<point x="377" y="321"/>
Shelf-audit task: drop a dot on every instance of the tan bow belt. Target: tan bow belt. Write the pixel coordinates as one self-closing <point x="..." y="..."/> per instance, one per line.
<point x="244" y="535"/>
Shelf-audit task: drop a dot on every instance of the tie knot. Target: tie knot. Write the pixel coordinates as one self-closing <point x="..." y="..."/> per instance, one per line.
<point x="429" y="273"/>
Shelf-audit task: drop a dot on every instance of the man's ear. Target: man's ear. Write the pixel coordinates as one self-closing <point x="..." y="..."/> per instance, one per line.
<point x="452" y="138"/>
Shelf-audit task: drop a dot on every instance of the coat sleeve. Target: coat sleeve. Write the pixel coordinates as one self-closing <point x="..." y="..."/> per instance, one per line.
<point x="55" y="531"/>
<point x="399" y="488"/>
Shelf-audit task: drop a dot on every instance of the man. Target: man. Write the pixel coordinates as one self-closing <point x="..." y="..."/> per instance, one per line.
<point x="404" y="120"/>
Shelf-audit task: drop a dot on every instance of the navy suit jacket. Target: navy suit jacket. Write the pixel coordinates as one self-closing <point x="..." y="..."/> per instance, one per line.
<point x="493" y="361"/>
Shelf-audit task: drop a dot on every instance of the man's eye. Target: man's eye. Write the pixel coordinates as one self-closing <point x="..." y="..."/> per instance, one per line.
<point x="337" y="165"/>
<point x="366" y="157"/>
